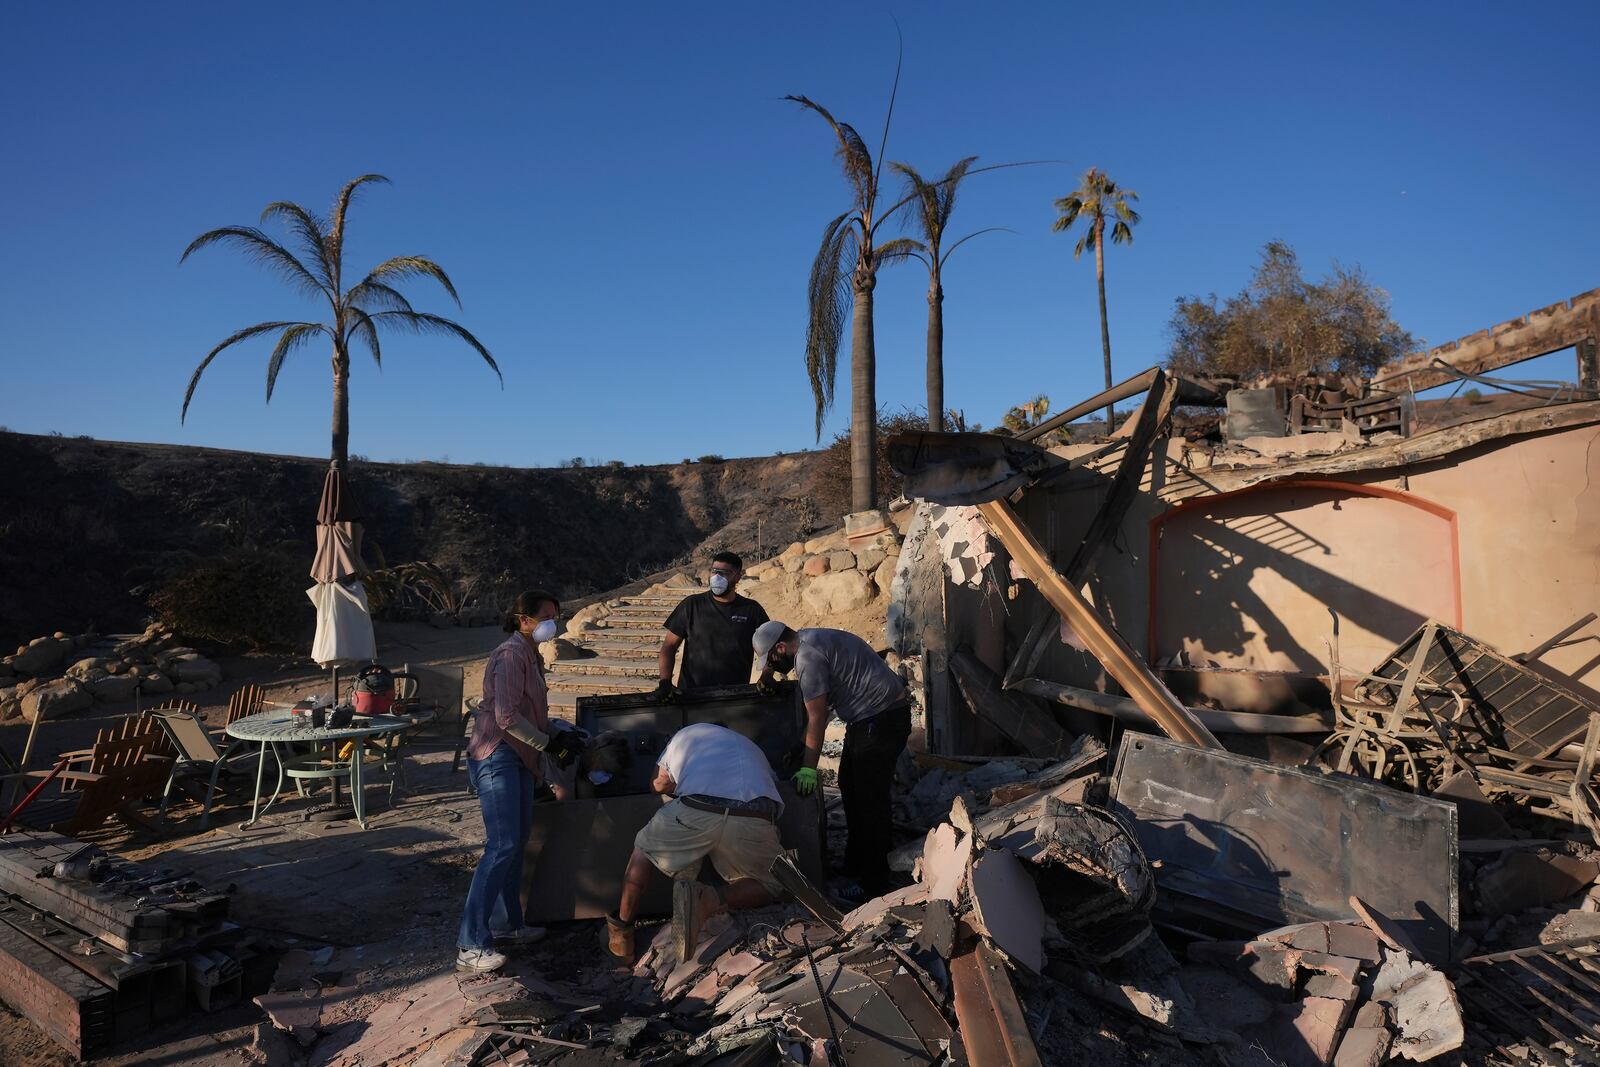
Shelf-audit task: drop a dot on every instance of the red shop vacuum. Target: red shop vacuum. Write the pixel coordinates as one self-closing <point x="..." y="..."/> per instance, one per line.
<point x="373" y="690"/>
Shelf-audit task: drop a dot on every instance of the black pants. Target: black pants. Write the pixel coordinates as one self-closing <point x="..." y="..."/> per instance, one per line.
<point x="866" y="776"/>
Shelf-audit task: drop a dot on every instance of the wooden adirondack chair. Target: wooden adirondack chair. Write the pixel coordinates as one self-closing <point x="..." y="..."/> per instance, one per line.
<point x="248" y="701"/>
<point x="127" y="764"/>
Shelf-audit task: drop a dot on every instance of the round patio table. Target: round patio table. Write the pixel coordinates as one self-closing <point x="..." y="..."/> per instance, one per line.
<point x="274" y="729"/>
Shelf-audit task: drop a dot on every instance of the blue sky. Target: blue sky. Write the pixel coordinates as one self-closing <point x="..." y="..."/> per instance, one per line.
<point x="629" y="209"/>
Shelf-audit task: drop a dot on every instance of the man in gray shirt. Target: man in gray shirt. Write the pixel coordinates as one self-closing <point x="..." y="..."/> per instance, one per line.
<point x="838" y="672"/>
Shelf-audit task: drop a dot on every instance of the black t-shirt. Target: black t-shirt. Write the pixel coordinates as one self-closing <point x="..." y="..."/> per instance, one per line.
<point x="717" y="639"/>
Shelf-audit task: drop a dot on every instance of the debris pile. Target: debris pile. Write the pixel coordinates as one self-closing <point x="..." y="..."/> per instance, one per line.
<point x="94" y="948"/>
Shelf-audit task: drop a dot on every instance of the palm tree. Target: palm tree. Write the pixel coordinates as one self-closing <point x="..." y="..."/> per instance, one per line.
<point x="930" y="205"/>
<point x="1095" y="200"/>
<point x="356" y="313"/>
<point x="843" y="274"/>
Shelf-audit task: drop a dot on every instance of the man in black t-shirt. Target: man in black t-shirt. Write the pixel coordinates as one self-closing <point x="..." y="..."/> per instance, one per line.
<point x="716" y="629"/>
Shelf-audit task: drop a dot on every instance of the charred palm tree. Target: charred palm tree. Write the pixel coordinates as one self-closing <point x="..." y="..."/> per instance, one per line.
<point x="843" y="275"/>
<point x="355" y="314"/>
<point x="1098" y="200"/>
<point x="930" y="204"/>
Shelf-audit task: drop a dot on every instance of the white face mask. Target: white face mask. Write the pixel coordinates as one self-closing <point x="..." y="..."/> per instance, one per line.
<point x="719" y="585"/>
<point x="545" y="631"/>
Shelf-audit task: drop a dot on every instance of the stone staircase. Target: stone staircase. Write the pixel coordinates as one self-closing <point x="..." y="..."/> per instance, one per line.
<point x="619" y="648"/>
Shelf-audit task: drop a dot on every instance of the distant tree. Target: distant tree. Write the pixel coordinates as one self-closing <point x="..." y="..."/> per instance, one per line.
<point x="1098" y="200"/>
<point x="1026" y="416"/>
<point x="357" y="313"/>
<point x="1280" y="323"/>
<point x="844" y="273"/>
<point x="929" y="204"/>
<point x="832" y="474"/>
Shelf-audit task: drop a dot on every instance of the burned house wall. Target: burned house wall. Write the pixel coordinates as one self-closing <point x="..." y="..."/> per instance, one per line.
<point x="1529" y="514"/>
<point x="1248" y="580"/>
<point x="1501" y="538"/>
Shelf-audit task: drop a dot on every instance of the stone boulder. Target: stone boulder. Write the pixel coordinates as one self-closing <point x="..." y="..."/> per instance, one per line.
<point x="195" y="668"/>
<point x="884" y="575"/>
<point x="113" y="688"/>
<point x="839" y="592"/>
<point x="825" y="543"/>
<point x="794" y="551"/>
<point x="83" y="667"/>
<point x="792" y="564"/>
<point x="815" y="566"/>
<point x="868" y="558"/>
<point x="154" y="682"/>
<point x="42" y="655"/>
<point x="842" y="560"/>
<point x="10" y="703"/>
<point x="57" y="699"/>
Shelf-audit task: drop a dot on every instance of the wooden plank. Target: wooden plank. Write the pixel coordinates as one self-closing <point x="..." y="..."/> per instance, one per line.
<point x="75" y="1010"/>
<point x="1102" y="640"/>
<point x="994" y="1030"/>
<point x="1031" y="730"/>
<point x="1153" y="415"/>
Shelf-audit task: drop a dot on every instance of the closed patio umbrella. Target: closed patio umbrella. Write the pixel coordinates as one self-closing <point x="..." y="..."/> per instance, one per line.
<point x="344" y="622"/>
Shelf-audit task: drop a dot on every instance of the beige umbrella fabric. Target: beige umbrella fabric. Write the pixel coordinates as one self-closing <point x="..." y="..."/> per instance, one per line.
<point x="344" y="621"/>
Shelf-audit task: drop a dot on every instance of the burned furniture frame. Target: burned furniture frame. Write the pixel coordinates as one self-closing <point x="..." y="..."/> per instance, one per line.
<point x="1444" y="702"/>
<point x="1549" y="993"/>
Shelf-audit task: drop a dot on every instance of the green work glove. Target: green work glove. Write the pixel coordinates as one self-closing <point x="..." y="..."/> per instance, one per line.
<point x="805" y="781"/>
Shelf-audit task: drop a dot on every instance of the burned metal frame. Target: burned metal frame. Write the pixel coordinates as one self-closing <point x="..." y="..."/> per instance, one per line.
<point x="1563" y="977"/>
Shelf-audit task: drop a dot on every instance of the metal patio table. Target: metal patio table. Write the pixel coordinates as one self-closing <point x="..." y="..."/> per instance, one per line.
<point x="276" y="729"/>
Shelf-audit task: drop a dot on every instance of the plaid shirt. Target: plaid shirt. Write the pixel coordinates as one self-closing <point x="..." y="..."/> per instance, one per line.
<point x="513" y="688"/>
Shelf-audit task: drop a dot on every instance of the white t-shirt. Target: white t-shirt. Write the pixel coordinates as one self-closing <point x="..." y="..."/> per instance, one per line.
<point x="713" y="761"/>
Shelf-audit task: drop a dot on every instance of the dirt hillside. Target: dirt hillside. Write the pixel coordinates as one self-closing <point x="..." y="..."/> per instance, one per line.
<point x="90" y="529"/>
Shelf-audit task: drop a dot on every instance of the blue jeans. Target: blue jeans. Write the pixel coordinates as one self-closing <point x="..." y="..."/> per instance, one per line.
<point x="505" y="792"/>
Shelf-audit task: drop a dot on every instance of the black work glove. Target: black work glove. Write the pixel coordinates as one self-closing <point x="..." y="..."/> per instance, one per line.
<point x="565" y="746"/>
<point x="767" y="686"/>
<point x="666" y="692"/>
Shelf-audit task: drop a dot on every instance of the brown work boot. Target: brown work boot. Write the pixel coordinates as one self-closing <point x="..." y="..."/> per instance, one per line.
<point x="692" y="904"/>
<point x="619" y="939"/>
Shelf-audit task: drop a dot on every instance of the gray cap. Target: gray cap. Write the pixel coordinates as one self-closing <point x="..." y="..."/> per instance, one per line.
<point x="767" y="635"/>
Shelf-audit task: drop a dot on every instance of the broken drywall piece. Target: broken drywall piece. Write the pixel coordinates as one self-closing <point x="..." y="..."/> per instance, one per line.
<point x="945" y="860"/>
<point x="870" y="912"/>
<point x="938" y="932"/>
<point x="960" y="817"/>
<point x="1006" y="907"/>
<point x="1427" y="1018"/>
<point x="1423" y="1007"/>
<point x="789" y="875"/>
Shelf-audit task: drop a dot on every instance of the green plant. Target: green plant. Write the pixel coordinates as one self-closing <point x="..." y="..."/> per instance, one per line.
<point x="420" y="585"/>
<point x="249" y="596"/>
<point x="1095" y="200"/>
<point x="356" y="313"/>
<point x="711" y="458"/>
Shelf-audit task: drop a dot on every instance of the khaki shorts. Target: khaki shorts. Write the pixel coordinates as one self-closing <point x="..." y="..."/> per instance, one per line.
<point x="678" y="837"/>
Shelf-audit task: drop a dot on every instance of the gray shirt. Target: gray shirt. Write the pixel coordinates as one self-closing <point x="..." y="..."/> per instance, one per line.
<point x="843" y="667"/>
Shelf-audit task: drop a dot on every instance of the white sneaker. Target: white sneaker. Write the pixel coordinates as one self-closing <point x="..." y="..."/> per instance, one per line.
<point x="479" y="959"/>
<point x="526" y="935"/>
